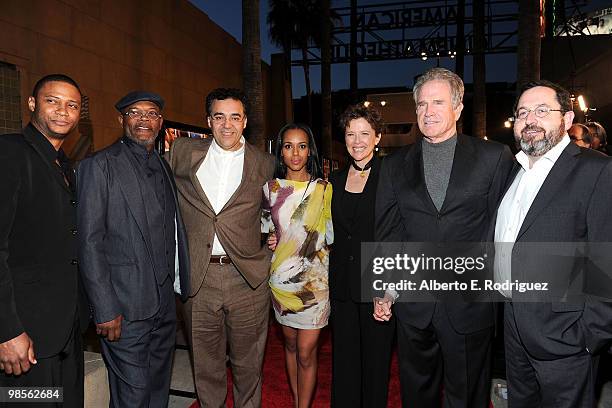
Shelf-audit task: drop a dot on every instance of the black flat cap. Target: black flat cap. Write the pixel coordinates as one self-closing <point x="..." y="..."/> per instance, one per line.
<point x="138" y="96"/>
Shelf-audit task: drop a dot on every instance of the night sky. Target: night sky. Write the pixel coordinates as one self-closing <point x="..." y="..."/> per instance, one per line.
<point x="500" y="67"/>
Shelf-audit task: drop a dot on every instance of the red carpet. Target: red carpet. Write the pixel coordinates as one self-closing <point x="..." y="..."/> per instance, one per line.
<point x="276" y="393"/>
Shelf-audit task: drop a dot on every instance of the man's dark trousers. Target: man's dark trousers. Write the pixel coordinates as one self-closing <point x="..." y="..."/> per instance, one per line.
<point x="144" y="351"/>
<point x="64" y="370"/>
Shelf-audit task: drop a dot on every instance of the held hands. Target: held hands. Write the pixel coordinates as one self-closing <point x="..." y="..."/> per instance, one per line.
<point x="272" y="241"/>
<point x="17" y="354"/>
<point x="382" y="308"/>
<point x="111" y="330"/>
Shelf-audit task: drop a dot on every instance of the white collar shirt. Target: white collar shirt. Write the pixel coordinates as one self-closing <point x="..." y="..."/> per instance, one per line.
<point x="220" y="174"/>
<point x="515" y="206"/>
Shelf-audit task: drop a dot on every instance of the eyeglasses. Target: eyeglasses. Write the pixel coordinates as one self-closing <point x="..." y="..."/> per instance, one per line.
<point x="540" y="112"/>
<point x="135" y="114"/>
<point x="218" y="119"/>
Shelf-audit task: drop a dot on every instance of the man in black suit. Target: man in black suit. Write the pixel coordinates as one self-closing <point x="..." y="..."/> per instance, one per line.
<point x="130" y="233"/>
<point x="444" y="188"/>
<point x="561" y="194"/>
<point x="40" y="340"/>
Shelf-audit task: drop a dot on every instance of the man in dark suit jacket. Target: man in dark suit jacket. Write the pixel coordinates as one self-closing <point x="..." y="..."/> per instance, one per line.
<point x="130" y="230"/>
<point x="40" y="340"/>
<point x="561" y="194"/>
<point x="219" y="181"/>
<point x="444" y="188"/>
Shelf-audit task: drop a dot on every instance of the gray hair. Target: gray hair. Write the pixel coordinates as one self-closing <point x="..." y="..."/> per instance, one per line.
<point x="441" y="74"/>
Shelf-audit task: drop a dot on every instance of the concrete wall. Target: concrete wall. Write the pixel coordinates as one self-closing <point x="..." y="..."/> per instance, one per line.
<point x="111" y="47"/>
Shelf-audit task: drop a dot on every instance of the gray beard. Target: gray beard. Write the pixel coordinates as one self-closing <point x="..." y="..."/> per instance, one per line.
<point x="144" y="143"/>
<point x="543" y="146"/>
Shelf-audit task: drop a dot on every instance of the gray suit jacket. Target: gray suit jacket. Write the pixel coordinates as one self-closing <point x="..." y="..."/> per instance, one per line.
<point x="115" y="253"/>
<point x="572" y="206"/>
<point x="237" y="225"/>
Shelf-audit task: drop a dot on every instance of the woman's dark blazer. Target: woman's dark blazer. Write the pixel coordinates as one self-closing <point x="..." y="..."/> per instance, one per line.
<point x="344" y="262"/>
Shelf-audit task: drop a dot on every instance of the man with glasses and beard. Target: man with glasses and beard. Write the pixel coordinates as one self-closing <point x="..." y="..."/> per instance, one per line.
<point x="130" y="231"/>
<point x="559" y="193"/>
<point x="40" y="340"/>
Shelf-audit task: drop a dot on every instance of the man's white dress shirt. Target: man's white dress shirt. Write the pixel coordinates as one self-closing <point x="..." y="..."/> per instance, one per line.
<point x="516" y="204"/>
<point x="220" y="175"/>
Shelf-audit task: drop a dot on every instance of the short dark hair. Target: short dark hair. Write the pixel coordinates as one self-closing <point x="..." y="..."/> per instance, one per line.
<point x="312" y="165"/>
<point x="371" y="115"/>
<point x="227" y="93"/>
<point x="54" y="78"/>
<point x="598" y="131"/>
<point x="563" y="96"/>
<point x="586" y="133"/>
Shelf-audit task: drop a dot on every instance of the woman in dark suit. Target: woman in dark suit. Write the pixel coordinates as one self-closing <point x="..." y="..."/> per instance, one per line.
<point x="361" y="345"/>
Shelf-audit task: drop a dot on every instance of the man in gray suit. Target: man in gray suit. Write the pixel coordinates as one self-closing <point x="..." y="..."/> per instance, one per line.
<point x="130" y="234"/>
<point x="219" y="182"/>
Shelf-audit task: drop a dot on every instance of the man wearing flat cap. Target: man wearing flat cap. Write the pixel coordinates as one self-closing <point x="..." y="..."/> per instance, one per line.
<point x="133" y="254"/>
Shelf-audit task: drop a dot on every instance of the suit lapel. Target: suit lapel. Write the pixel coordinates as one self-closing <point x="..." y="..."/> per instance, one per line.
<point x="197" y="158"/>
<point x="491" y="232"/>
<point x="181" y="238"/>
<point x="248" y="168"/>
<point x="55" y="171"/>
<point x="342" y="176"/>
<point x="515" y="169"/>
<point x="555" y="180"/>
<point x="369" y="191"/>
<point x="415" y="175"/>
<point x="460" y="171"/>
<point x="130" y="187"/>
<point x="341" y="217"/>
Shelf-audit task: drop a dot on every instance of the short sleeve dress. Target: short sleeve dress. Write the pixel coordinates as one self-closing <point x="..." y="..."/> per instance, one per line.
<point x="300" y="214"/>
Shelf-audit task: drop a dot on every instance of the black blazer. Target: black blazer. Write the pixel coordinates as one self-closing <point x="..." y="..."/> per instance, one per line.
<point x="38" y="267"/>
<point x="572" y="206"/>
<point x="115" y="251"/>
<point x="406" y="213"/>
<point x="344" y="259"/>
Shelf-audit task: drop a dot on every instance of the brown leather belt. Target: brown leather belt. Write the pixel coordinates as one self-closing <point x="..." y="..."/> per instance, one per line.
<point x="220" y="259"/>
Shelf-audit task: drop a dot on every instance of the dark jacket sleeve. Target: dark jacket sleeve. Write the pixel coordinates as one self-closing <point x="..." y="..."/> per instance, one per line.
<point x="10" y="324"/>
<point x="93" y="196"/>
<point x="597" y="316"/>
<point x="500" y="180"/>
<point x="387" y="225"/>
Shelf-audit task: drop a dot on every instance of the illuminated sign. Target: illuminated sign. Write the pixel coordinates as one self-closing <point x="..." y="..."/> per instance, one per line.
<point x="406" y="18"/>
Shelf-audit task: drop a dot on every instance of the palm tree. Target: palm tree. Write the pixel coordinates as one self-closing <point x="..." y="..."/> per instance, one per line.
<point x="326" y="108"/>
<point x="528" y="54"/>
<point x="479" y="110"/>
<point x="460" y="48"/>
<point x="281" y="28"/>
<point x="297" y="24"/>
<point x="251" y="71"/>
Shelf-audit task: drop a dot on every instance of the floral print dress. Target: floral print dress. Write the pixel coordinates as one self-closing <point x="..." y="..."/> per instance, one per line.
<point x="299" y="212"/>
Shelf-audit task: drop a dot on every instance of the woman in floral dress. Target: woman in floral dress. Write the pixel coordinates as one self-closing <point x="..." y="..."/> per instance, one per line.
<point x="297" y="213"/>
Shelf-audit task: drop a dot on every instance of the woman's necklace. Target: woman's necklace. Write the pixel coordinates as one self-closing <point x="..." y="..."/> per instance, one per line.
<point x="364" y="169"/>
